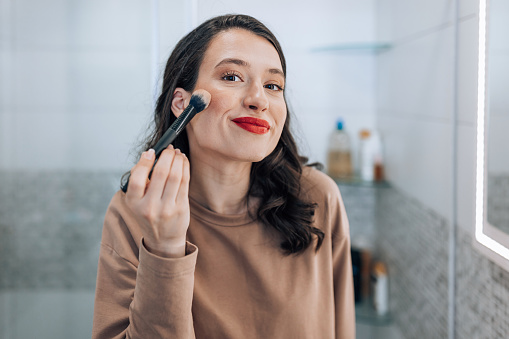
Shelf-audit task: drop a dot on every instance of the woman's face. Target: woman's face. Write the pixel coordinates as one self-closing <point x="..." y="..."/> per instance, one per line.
<point x="247" y="111"/>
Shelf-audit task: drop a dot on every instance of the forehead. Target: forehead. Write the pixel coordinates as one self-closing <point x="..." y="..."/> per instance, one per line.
<point x="244" y="45"/>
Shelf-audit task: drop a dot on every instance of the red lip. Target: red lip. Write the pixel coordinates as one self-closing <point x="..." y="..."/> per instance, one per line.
<point x="253" y="125"/>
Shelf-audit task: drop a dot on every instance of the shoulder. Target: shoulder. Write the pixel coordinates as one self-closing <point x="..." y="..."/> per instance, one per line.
<point x="316" y="185"/>
<point x="330" y="215"/>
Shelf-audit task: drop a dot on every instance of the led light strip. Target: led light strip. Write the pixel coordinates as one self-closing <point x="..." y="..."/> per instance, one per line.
<point x="481" y="92"/>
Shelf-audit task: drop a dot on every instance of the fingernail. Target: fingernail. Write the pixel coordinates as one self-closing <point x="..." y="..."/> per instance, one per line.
<point x="149" y="154"/>
<point x="170" y="146"/>
<point x="178" y="151"/>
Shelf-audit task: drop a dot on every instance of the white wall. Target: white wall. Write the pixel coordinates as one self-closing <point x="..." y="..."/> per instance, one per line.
<point x="467" y="111"/>
<point x="76" y="75"/>
<point x="416" y="101"/>
<point x="75" y="81"/>
<point x="416" y="97"/>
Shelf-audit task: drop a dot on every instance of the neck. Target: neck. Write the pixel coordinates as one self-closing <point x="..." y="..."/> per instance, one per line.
<point x="221" y="187"/>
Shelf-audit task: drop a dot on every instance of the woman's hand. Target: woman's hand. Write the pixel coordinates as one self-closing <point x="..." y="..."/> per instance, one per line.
<point x="161" y="204"/>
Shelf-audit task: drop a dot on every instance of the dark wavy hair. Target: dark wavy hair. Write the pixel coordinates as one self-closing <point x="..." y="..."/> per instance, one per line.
<point x="275" y="179"/>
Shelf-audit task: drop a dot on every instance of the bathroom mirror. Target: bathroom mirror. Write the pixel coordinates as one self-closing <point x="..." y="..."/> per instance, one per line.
<point x="492" y="178"/>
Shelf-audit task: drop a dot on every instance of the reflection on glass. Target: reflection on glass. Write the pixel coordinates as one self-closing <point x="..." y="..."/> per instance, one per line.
<point x="498" y="115"/>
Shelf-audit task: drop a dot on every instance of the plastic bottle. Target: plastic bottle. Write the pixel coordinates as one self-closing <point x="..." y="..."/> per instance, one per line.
<point x="380" y="285"/>
<point x="339" y="160"/>
<point x="370" y="156"/>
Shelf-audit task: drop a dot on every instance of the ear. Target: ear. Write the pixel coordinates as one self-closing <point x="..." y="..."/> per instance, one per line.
<point x="179" y="101"/>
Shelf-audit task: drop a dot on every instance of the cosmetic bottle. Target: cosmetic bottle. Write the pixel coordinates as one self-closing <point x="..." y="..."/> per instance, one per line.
<point x="380" y="288"/>
<point x="339" y="160"/>
<point x="370" y="156"/>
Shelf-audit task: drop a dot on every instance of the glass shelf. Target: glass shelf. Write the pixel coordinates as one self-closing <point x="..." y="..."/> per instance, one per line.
<point x="372" y="47"/>
<point x="357" y="181"/>
<point x="366" y="314"/>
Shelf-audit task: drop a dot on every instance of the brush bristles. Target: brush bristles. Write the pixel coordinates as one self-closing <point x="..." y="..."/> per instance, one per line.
<point x="200" y="99"/>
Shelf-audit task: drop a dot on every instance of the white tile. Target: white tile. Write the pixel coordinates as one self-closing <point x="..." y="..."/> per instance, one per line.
<point x="172" y="26"/>
<point x="409" y="19"/>
<point x="77" y="24"/>
<point x="342" y="82"/>
<point x="110" y="24"/>
<point x="299" y="24"/>
<point x="466" y="176"/>
<point x="84" y="140"/>
<point x="109" y="79"/>
<point x="60" y="79"/>
<point x="418" y="158"/>
<point x="42" y="23"/>
<point x="173" y="22"/>
<point x="467" y="70"/>
<point x="5" y="24"/>
<point x="40" y="79"/>
<point x="41" y="139"/>
<point x="5" y="79"/>
<point x="417" y="79"/>
<point x="468" y="7"/>
<point x="105" y="140"/>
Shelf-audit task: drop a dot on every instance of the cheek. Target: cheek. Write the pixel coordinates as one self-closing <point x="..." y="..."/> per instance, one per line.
<point x="281" y="115"/>
<point x="221" y="99"/>
<point x="211" y="115"/>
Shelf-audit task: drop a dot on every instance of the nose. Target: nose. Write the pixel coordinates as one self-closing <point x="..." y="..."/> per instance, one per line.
<point x="256" y="98"/>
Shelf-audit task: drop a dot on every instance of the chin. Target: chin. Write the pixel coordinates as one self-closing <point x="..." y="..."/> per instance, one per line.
<point x="253" y="155"/>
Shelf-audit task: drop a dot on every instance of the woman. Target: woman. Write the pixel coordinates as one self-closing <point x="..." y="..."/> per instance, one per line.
<point x="237" y="239"/>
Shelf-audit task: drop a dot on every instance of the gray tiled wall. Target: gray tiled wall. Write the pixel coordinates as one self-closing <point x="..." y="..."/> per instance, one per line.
<point x="50" y="227"/>
<point x="482" y="294"/>
<point x="360" y="202"/>
<point x="413" y="240"/>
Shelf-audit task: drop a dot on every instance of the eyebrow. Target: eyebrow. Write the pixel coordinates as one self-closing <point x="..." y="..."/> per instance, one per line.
<point x="244" y="63"/>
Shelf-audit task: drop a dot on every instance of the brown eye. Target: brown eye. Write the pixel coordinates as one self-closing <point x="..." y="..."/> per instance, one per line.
<point x="274" y="87"/>
<point x="231" y="77"/>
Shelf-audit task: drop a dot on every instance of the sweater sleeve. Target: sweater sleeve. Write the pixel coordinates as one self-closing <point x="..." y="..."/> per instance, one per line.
<point x="342" y="270"/>
<point x="138" y="294"/>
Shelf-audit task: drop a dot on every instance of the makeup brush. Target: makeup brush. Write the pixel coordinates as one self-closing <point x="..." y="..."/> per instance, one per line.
<point x="198" y="102"/>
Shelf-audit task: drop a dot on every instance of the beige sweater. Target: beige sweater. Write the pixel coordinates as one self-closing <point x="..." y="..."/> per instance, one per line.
<point x="234" y="281"/>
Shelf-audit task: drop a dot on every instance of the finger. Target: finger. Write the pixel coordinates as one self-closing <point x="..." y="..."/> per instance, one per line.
<point x="174" y="178"/>
<point x="183" y="193"/>
<point x="160" y="173"/>
<point x="139" y="175"/>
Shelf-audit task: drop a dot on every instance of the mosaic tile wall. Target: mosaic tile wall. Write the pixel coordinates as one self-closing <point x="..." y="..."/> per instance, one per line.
<point x="50" y="228"/>
<point x="360" y="202"/>
<point x="413" y="241"/>
<point x="482" y="294"/>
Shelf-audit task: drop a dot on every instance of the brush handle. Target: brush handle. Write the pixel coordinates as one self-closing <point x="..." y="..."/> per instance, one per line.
<point x="168" y="137"/>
